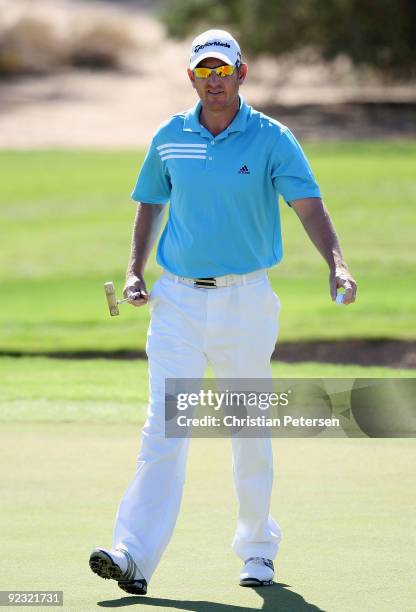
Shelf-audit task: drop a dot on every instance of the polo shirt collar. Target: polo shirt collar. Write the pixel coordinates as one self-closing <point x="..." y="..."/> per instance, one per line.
<point x="238" y="124"/>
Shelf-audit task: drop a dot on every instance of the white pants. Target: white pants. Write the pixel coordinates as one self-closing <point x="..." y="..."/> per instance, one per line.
<point x="235" y="329"/>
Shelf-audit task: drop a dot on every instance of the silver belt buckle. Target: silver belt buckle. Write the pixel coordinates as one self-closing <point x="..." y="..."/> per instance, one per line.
<point x="205" y="283"/>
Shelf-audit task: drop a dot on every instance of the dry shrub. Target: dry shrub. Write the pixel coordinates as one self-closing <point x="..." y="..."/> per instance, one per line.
<point x="29" y="47"/>
<point x="100" y="46"/>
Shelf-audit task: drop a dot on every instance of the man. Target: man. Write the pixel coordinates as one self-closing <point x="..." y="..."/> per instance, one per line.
<point x="222" y="166"/>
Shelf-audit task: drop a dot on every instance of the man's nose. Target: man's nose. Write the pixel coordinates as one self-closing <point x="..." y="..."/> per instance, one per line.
<point x="213" y="78"/>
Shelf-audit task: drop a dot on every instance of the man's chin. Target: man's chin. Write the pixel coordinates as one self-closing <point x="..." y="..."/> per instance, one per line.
<point x="219" y="101"/>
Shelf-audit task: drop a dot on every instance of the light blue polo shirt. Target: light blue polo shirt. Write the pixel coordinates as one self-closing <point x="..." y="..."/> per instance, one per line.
<point x="223" y="191"/>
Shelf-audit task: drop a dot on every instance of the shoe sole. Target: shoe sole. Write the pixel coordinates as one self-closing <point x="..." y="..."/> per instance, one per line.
<point x="134" y="587"/>
<point x="103" y="565"/>
<point x="254" y="582"/>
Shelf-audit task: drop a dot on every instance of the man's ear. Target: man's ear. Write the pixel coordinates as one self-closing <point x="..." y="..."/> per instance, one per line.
<point x="191" y="76"/>
<point x="242" y="73"/>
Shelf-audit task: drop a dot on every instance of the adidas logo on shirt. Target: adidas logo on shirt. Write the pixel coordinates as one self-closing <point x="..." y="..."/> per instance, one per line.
<point x="244" y="170"/>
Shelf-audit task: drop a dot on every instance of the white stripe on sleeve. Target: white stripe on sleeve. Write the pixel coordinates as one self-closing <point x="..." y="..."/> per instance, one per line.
<point x="181" y="145"/>
<point x="190" y="151"/>
<point x="183" y="157"/>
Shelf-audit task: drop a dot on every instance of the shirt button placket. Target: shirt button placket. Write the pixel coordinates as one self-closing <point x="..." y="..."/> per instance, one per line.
<point x="209" y="154"/>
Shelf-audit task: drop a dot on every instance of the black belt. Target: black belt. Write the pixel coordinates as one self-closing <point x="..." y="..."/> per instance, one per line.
<point x="211" y="281"/>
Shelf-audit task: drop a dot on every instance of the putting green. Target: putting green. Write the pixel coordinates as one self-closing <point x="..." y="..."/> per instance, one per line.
<point x="346" y="508"/>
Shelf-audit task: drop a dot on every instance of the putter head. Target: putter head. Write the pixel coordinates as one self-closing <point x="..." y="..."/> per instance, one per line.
<point x="110" y="294"/>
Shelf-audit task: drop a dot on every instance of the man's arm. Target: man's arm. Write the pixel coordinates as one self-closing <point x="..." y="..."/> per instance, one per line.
<point x="320" y="229"/>
<point x="147" y="224"/>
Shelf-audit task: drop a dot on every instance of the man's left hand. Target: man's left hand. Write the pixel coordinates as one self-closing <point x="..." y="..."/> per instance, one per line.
<point x="339" y="278"/>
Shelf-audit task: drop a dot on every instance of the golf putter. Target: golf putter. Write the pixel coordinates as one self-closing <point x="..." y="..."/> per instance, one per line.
<point x="112" y="301"/>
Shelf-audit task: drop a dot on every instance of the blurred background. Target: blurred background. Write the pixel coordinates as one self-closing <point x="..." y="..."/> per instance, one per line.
<point x="85" y="83"/>
<point x="104" y="73"/>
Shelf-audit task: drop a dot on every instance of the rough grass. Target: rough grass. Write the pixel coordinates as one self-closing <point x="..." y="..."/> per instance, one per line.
<point x="66" y="219"/>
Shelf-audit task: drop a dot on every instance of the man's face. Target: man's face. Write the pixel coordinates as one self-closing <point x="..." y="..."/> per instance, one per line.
<point x="217" y="93"/>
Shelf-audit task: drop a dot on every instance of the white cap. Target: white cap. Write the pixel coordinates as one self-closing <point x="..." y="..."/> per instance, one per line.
<point x="215" y="43"/>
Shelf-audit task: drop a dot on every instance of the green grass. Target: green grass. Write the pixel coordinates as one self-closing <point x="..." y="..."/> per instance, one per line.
<point x="69" y="432"/>
<point x="38" y="389"/>
<point x="66" y="219"/>
<point x="68" y="442"/>
<point x="337" y="501"/>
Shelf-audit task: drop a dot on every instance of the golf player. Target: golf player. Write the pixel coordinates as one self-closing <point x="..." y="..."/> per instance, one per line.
<point x="222" y="166"/>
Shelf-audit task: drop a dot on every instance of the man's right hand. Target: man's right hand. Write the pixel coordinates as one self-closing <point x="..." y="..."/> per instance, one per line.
<point x="135" y="290"/>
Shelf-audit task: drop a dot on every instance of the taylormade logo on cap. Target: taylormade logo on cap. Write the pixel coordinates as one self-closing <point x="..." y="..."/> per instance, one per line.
<point x="215" y="43"/>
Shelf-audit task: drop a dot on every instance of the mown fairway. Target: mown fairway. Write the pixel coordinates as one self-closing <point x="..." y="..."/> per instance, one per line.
<point x="42" y="390"/>
<point x="66" y="220"/>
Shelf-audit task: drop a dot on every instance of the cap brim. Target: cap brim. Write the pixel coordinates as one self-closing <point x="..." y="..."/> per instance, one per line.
<point x="215" y="54"/>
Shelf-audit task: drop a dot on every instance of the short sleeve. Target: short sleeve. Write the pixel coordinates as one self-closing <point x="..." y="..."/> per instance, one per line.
<point x="291" y="173"/>
<point x="153" y="185"/>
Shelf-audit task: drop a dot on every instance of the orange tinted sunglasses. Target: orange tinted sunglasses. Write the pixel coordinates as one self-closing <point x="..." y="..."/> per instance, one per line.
<point x="221" y="71"/>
